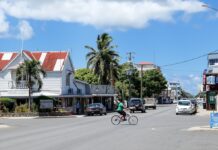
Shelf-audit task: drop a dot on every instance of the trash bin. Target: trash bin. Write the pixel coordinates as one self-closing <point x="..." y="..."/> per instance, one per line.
<point x="204" y="105"/>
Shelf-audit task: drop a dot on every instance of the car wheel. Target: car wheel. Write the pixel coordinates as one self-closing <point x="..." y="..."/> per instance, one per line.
<point x="176" y="113"/>
<point x="100" y="114"/>
<point x="105" y="114"/>
<point x="154" y="107"/>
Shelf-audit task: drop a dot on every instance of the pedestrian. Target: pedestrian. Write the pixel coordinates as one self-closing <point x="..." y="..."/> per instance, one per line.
<point x="77" y="108"/>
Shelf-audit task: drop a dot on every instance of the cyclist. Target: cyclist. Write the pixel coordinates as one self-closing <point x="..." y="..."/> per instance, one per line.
<point x="120" y="109"/>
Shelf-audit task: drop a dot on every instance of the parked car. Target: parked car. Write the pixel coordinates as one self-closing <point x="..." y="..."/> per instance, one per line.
<point x="194" y="102"/>
<point x="95" y="108"/>
<point x="136" y="104"/>
<point x="150" y="103"/>
<point x="185" y="106"/>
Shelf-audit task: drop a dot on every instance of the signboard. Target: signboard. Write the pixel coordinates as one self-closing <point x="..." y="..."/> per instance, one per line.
<point x="213" y="120"/>
<point x="216" y="81"/>
<point x="204" y="79"/>
<point x="46" y="104"/>
<point x="212" y="97"/>
<point x="211" y="80"/>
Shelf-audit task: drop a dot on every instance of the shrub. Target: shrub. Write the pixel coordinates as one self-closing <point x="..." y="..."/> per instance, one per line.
<point x="7" y="104"/>
<point x="21" y="108"/>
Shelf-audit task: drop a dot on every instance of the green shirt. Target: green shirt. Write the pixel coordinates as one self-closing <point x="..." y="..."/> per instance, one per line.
<point x="120" y="107"/>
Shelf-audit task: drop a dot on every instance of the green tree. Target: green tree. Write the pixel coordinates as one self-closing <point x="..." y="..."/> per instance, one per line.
<point x="86" y="75"/>
<point x="153" y="82"/>
<point x="127" y="84"/>
<point x="30" y="72"/>
<point x="103" y="60"/>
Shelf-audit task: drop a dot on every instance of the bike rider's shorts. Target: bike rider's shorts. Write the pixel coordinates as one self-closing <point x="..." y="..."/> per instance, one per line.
<point x="122" y="113"/>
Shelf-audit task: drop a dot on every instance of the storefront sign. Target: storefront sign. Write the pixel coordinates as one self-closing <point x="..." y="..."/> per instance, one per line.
<point x="204" y="79"/>
<point x="211" y="80"/>
<point x="216" y="80"/>
<point x="213" y="120"/>
<point x="211" y="97"/>
<point x="46" y="104"/>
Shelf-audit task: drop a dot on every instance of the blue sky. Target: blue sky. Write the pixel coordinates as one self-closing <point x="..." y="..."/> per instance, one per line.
<point x="159" y="31"/>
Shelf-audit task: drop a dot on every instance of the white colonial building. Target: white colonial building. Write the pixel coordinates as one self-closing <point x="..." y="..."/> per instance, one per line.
<point x="59" y="82"/>
<point x="144" y="66"/>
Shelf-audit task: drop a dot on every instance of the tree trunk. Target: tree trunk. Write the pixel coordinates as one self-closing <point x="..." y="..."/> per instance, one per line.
<point x="30" y="91"/>
<point x="30" y="103"/>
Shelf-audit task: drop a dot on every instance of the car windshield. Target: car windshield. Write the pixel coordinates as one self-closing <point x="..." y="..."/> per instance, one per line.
<point x="94" y="105"/>
<point x="184" y="103"/>
<point x="135" y="102"/>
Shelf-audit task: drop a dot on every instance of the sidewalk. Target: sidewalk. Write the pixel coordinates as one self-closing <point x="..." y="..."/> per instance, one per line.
<point x="203" y="112"/>
<point x="3" y="126"/>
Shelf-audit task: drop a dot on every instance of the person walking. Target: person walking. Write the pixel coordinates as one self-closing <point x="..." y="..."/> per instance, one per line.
<point x="77" y="108"/>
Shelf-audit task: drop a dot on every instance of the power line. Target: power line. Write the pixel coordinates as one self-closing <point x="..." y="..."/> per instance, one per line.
<point x="188" y="60"/>
<point x="184" y="70"/>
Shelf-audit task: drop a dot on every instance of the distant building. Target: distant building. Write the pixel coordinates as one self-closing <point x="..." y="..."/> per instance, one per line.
<point x="210" y="81"/>
<point x="212" y="63"/>
<point x="174" y="90"/>
<point x="144" y="66"/>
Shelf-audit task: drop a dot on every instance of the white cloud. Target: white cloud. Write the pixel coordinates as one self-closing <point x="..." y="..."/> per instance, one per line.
<point x="119" y="14"/>
<point x="4" y="25"/>
<point x="25" y="30"/>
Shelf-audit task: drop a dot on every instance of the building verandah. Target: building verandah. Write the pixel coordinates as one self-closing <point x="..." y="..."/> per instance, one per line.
<point x="68" y="102"/>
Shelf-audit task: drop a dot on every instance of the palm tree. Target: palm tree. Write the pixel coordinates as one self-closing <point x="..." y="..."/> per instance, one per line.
<point x="103" y="61"/>
<point x="30" y="72"/>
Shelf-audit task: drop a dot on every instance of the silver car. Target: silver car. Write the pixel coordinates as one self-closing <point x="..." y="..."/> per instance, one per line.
<point x="185" y="106"/>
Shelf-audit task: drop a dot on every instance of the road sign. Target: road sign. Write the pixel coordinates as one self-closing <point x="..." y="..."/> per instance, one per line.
<point x="213" y="120"/>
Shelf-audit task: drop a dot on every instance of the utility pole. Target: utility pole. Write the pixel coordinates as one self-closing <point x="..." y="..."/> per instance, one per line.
<point x="141" y="82"/>
<point x="129" y="71"/>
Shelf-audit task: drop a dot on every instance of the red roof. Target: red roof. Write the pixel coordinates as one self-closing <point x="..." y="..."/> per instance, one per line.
<point x="50" y="61"/>
<point x="28" y="54"/>
<point x="145" y="63"/>
<point x="6" y="58"/>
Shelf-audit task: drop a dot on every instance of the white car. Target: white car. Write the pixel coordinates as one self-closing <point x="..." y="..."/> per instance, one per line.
<point x="185" y="106"/>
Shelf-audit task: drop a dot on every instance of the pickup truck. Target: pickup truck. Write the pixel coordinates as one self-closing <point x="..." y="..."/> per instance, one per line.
<point x="150" y="103"/>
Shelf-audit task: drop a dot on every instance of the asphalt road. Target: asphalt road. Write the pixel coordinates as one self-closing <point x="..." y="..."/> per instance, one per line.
<point x="157" y="129"/>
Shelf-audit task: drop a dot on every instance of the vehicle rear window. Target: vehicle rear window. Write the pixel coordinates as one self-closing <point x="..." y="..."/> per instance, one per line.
<point x="184" y="103"/>
<point x="135" y="101"/>
<point x="94" y="105"/>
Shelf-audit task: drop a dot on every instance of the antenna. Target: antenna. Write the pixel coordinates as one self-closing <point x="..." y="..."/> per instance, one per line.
<point x="21" y="50"/>
<point x="130" y="56"/>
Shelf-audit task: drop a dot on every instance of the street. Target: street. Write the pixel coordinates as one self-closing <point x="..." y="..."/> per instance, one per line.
<point x="157" y="129"/>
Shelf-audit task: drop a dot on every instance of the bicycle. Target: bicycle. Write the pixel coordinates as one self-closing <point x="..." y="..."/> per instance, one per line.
<point x="117" y="119"/>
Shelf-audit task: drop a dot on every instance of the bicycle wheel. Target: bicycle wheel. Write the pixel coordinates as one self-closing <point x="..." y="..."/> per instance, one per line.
<point x="115" y="120"/>
<point x="133" y="120"/>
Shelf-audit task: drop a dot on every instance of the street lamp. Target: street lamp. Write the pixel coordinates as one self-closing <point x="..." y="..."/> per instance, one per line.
<point x="129" y="73"/>
<point x="141" y="74"/>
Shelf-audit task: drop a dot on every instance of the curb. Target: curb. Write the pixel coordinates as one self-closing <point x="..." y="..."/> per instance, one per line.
<point x="40" y="117"/>
<point x="4" y="126"/>
<point x="202" y="128"/>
